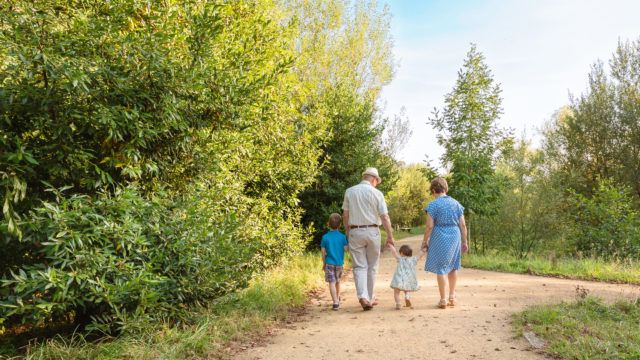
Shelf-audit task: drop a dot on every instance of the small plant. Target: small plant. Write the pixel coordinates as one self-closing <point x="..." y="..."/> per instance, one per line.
<point x="581" y="292"/>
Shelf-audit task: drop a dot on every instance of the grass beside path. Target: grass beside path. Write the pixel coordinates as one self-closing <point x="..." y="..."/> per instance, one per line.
<point x="585" y="329"/>
<point x="584" y="269"/>
<point x="247" y="313"/>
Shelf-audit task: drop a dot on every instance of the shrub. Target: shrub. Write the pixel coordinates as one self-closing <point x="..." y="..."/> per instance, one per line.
<point x="607" y="224"/>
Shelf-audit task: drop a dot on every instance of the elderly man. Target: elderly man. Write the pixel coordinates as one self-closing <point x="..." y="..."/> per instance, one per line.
<point x="364" y="210"/>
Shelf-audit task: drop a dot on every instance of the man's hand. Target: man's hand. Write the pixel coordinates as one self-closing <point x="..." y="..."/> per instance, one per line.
<point x="390" y="240"/>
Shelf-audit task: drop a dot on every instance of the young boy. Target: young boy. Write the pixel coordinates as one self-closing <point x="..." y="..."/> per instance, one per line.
<point x="333" y="245"/>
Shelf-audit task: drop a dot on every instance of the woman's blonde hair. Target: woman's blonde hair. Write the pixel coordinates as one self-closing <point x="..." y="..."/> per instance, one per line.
<point x="439" y="185"/>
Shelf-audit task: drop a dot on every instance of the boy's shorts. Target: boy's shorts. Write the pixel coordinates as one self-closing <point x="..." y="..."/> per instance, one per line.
<point x="332" y="273"/>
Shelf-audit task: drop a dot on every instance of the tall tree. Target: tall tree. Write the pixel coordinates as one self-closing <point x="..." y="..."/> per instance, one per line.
<point x="345" y="47"/>
<point x="598" y="135"/>
<point x="470" y="136"/>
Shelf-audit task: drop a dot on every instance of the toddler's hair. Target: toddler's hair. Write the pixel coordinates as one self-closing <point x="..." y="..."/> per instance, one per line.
<point x="334" y="221"/>
<point x="405" y="250"/>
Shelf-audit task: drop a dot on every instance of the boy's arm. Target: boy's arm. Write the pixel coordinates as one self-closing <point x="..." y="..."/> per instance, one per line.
<point x="324" y="255"/>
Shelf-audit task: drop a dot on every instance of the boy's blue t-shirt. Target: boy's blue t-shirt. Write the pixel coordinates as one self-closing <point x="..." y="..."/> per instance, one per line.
<point x="334" y="242"/>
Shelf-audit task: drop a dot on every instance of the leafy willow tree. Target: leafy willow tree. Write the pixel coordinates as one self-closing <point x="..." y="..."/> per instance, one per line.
<point x="471" y="138"/>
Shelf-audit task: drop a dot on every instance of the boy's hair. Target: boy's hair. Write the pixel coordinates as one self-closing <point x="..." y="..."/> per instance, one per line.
<point x="405" y="250"/>
<point x="334" y="221"/>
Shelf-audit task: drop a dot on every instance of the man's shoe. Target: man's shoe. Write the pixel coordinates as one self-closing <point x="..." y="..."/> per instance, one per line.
<point x="365" y="305"/>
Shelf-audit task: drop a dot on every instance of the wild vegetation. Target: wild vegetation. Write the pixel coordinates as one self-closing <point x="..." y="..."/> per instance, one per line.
<point x="155" y="157"/>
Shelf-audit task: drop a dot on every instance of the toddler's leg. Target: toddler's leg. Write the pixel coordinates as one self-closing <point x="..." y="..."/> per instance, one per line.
<point x="407" y="299"/>
<point x="396" y="296"/>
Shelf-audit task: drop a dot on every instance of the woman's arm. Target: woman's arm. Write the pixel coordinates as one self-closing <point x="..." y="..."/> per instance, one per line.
<point x="427" y="233"/>
<point x="463" y="235"/>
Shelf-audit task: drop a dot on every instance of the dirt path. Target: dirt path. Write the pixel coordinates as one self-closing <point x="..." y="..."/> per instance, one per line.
<point x="478" y="328"/>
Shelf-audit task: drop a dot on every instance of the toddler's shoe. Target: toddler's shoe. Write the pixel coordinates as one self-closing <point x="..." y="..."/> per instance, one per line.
<point x="398" y="306"/>
<point x="408" y="304"/>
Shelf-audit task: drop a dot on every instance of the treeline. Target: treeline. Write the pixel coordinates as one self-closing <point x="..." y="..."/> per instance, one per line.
<point x="578" y="194"/>
<point x="158" y="154"/>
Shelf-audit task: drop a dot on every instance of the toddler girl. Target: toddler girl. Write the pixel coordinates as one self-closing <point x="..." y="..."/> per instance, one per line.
<point x="404" y="279"/>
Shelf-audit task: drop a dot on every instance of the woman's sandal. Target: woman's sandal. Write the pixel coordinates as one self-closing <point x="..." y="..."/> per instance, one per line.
<point x="442" y="304"/>
<point x="451" y="302"/>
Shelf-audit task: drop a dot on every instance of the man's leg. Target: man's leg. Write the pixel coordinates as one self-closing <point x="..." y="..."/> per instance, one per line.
<point x="359" y="261"/>
<point x="373" y="256"/>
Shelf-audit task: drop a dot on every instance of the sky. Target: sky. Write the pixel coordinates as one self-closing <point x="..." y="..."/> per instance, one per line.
<point x="540" y="51"/>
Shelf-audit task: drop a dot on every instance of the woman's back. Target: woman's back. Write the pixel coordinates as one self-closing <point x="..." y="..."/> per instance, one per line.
<point x="445" y="211"/>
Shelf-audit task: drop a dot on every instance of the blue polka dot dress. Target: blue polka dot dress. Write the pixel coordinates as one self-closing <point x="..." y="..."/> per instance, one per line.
<point x="444" y="243"/>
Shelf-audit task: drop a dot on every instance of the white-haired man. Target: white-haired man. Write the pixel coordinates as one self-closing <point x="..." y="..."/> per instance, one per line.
<point x="364" y="209"/>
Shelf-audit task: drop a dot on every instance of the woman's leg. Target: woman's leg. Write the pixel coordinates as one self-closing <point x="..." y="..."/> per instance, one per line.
<point x="442" y="284"/>
<point x="453" y="278"/>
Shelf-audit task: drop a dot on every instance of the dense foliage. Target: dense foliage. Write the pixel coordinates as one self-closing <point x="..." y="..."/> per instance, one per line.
<point x="409" y="197"/>
<point x="578" y="194"/>
<point x="152" y="154"/>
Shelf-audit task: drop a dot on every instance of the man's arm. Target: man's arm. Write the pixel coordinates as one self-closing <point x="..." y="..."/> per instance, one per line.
<point x="386" y="222"/>
<point x="345" y="221"/>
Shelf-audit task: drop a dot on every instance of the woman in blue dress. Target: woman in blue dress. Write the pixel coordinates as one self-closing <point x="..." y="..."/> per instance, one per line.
<point x="445" y="238"/>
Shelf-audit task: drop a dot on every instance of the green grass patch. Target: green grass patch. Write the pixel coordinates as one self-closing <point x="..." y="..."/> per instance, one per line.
<point x="585" y="269"/>
<point x="585" y="329"/>
<point x="238" y="316"/>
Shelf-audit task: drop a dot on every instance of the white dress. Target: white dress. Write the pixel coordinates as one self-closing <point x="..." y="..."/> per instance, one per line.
<point x="405" y="276"/>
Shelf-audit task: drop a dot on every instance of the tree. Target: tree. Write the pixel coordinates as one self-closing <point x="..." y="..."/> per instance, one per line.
<point x="598" y="135"/>
<point x="530" y="211"/>
<point x="409" y="196"/>
<point x="345" y="47"/>
<point x="470" y="136"/>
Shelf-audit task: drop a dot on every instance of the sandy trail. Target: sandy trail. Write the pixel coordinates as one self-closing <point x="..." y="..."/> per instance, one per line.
<point x="478" y="328"/>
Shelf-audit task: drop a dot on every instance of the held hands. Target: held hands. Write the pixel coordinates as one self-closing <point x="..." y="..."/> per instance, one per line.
<point x="465" y="247"/>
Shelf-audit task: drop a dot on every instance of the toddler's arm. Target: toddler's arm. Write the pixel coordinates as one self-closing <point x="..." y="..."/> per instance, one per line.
<point x="422" y="254"/>
<point x="393" y="250"/>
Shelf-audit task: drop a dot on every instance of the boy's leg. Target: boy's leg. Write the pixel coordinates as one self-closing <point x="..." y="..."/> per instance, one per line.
<point x="332" y="290"/>
<point x="338" y="289"/>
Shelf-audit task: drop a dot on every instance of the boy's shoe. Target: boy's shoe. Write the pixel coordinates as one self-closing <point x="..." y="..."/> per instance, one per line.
<point x="335" y="307"/>
<point x="407" y="303"/>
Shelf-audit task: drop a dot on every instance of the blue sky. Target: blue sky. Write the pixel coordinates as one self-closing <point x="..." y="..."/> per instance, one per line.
<point x="538" y="50"/>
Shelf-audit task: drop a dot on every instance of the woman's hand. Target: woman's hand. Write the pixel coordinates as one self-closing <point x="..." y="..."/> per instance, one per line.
<point x="465" y="247"/>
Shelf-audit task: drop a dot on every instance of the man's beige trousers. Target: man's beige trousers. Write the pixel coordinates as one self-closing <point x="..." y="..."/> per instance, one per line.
<point x="364" y="245"/>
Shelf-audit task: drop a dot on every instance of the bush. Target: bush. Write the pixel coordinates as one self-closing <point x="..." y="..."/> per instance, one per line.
<point x="607" y="224"/>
